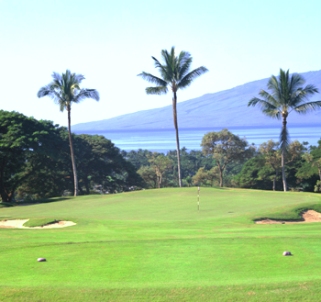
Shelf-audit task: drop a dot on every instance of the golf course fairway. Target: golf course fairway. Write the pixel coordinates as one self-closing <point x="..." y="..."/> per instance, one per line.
<point x="156" y="245"/>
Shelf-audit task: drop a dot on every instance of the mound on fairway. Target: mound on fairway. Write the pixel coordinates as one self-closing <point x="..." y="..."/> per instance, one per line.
<point x="18" y="223"/>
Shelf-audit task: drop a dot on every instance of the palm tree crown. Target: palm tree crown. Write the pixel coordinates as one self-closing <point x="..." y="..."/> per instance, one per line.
<point x="65" y="90"/>
<point x="175" y="73"/>
<point x="286" y="94"/>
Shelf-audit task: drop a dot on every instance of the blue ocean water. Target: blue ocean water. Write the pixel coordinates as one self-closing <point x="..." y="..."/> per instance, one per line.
<point x="164" y="140"/>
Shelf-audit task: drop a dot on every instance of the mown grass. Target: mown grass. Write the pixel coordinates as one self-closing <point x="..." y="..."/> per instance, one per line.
<point x="39" y="222"/>
<point x="155" y="245"/>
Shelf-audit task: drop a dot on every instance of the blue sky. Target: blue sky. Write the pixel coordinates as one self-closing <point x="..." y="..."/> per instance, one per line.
<point x="110" y="42"/>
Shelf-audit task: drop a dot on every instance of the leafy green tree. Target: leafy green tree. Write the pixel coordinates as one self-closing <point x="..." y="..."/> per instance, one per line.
<point x="175" y="73"/>
<point x="25" y="144"/>
<point x="226" y="149"/>
<point x="286" y="94"/>
<point x="253" y="174"/>
<point x="205" y="177"/>
<point x="148" y="174"/>
<point x="309" y="173"/>
<point x="294" y="161"/>
<point x="65" y="90"/>
<point x="201" y="177"/>
<point x="102" y="165"/>
<point x="262" y="169"/>
<point x="272" y="157"/>
<point x="49" y="171"/>
<point x="314" y="161"/>
<point x="160" y="163"/>
<point x="137" y="158"/>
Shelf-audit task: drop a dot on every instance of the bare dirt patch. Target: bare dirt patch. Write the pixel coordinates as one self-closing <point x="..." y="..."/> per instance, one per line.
<point x="308" y="216"/>
<point x="18" y="223"/>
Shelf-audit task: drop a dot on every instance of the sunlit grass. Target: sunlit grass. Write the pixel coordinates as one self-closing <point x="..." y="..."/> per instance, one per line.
<point x="154" y="245"/>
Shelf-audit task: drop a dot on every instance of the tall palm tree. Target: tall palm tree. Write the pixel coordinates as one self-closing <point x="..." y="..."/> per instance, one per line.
<point x="287" y="94"/>
<point x="65" y="90"/>
<point x="174" y="73"/>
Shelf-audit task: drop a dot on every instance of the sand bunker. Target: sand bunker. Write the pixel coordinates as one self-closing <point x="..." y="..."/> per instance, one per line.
<point x="18" y="223"/>
<point x="308" y="216"/>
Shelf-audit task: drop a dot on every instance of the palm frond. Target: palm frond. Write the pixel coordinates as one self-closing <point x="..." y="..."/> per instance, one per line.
<point x="162" y="69"/>
<point x="184" y="69"/>
<point x="269" y="98"/>
<point x="306" y="107"/>
<point x="168" y="73"/>
<point x="86" y="94"/>
<point x="274" y="86"/>
<point x="184" y="62"/>
<point x="44" y="91"/>
<point x="188" y="79"/>
<point x="78" y="78"/>
<point x="57" y="78"/>
<point x="51" y="91"/>
<point x="157" y="90"/>
<point x="266" y="107"/>
<point x="62" y="106"/>
<point x="310" y="90"/>
<point x="183" y="58"/>
<point x="152" y="79"/>
<point x="275" y="113"/>
<point x="302" y="94"/>
<point x="295" y="82"/>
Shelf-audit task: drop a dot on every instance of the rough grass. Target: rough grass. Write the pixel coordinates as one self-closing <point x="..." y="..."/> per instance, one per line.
<point x="155" y="245"/>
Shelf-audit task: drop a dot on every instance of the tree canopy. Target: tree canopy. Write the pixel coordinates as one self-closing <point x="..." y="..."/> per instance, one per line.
<point x="225" y="148"/>
<point x="34" y="161"/>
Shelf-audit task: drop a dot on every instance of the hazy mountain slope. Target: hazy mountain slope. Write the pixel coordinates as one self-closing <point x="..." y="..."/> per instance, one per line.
<point x="226" y="108"/>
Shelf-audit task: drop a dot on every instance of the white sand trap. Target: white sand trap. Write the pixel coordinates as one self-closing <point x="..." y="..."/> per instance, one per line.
<point x="18" y="223"/>
<point x="308" y="216"/>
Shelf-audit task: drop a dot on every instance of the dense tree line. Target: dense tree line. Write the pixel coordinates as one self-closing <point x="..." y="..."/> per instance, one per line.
<point x="221" y="158"/>
<point x="35" y="161"/>
<point x="227" y="160"/>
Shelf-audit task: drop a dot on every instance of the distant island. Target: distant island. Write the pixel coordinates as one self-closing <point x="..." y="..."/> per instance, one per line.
<point x="224" y="109"/>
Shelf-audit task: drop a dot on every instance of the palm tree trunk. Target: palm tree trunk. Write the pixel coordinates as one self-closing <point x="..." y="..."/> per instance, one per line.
<point x="73" y="163"/>
<point x="177" y="139"/>
<point x="283" y="171"/>
<point x="284" y="143"/>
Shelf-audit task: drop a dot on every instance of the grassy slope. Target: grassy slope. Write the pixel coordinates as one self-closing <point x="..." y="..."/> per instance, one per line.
<point x="154" y="245"/>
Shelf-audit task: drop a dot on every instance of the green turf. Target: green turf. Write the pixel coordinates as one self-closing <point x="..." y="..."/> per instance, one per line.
<point x="155" y="245"/>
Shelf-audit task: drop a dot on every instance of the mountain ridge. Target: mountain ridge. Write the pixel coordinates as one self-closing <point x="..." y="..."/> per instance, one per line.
<point x="223" y="109"/>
